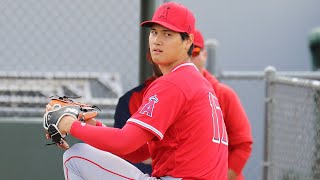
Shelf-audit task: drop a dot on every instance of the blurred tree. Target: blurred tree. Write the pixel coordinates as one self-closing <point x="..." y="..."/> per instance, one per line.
<point x="314" y="47"/>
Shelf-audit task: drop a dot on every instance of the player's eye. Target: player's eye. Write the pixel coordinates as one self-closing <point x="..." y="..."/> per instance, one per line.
<point x="153" y="32"/>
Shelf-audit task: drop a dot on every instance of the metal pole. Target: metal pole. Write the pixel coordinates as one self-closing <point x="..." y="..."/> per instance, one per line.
<point x="211" y="46"/>
<point x="269" y="76"/>
<point x="147" y="9"/>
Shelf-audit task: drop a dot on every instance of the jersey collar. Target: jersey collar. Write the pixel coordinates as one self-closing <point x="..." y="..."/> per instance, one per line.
<point x="184" y="64"/>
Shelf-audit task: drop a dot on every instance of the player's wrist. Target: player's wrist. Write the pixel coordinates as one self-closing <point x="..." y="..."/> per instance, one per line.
<point x="65" y="124"/>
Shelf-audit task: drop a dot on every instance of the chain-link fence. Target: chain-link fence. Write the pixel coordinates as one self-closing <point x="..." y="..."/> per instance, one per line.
<point x="71" y="36"/>
<point x="293" y="128"/>
<point x="76" y="48"/>
<point x="292" y="123"/>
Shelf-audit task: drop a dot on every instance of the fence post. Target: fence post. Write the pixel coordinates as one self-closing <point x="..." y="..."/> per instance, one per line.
<point x="211" y="46"/>
<point x="270" y="73"/>
<point x="146" y="12"/>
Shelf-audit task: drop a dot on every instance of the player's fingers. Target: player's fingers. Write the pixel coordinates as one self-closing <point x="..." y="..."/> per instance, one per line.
<point x="91" y="121"/>
<point x="64" y="145"/>
<point x="48" y="107"/>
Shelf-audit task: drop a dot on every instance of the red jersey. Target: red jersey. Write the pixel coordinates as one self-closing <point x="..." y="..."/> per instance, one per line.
<point x="183" y="113"/>
<point x="237" y="124"/>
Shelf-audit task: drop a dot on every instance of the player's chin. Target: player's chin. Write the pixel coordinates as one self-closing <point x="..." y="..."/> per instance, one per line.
<point x="157" y="59"/>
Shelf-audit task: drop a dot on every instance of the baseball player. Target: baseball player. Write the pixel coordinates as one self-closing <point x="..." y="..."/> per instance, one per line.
<point x="237" y="123"/>
<point x="236" y="120"/>
<point x="179" y="123"/>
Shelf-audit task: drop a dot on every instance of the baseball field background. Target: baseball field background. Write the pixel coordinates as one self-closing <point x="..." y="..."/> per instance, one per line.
<point x="40" y="39"/>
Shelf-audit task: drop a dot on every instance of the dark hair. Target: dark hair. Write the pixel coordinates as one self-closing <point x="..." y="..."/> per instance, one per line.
<point x="184" y="36"/>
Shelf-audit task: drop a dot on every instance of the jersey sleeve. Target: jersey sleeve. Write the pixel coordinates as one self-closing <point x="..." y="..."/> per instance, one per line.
<point x="114" y="140"/>
<point x="161" y="105"/>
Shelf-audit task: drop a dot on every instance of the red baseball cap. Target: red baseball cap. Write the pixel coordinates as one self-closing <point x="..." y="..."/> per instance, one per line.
<point x="173" y="16"/>
<point x="198" y="39"/>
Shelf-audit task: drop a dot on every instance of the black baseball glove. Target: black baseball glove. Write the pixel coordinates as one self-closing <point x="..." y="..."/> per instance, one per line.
<point x="65" y="106"/>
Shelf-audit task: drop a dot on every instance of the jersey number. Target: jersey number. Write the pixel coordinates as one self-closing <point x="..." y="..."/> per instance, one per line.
<point x="217" y="117"/>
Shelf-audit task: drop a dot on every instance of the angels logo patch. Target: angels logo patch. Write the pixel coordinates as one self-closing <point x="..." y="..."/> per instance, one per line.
<point x="164" y="12"/>
<point x="148" y="108"/>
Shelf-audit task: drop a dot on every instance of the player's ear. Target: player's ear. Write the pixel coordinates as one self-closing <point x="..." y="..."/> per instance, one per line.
<point x="188" y="42"/>
<point x="190" y="39"/>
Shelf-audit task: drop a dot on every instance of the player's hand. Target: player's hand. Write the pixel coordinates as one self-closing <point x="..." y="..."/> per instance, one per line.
<point x="60" y="114"/>
<point x="48" y="107"/>
<point x="90" y="121"/>
<point x="65" y="122"/>
<point x="147" y="161"/>
<point x="232" y="175"/>
<point x="64" y="145"/>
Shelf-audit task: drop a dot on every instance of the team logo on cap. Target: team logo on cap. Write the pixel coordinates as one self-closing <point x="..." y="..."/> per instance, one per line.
<point x="148" y="108"/>
<point x="164" y="12"/>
